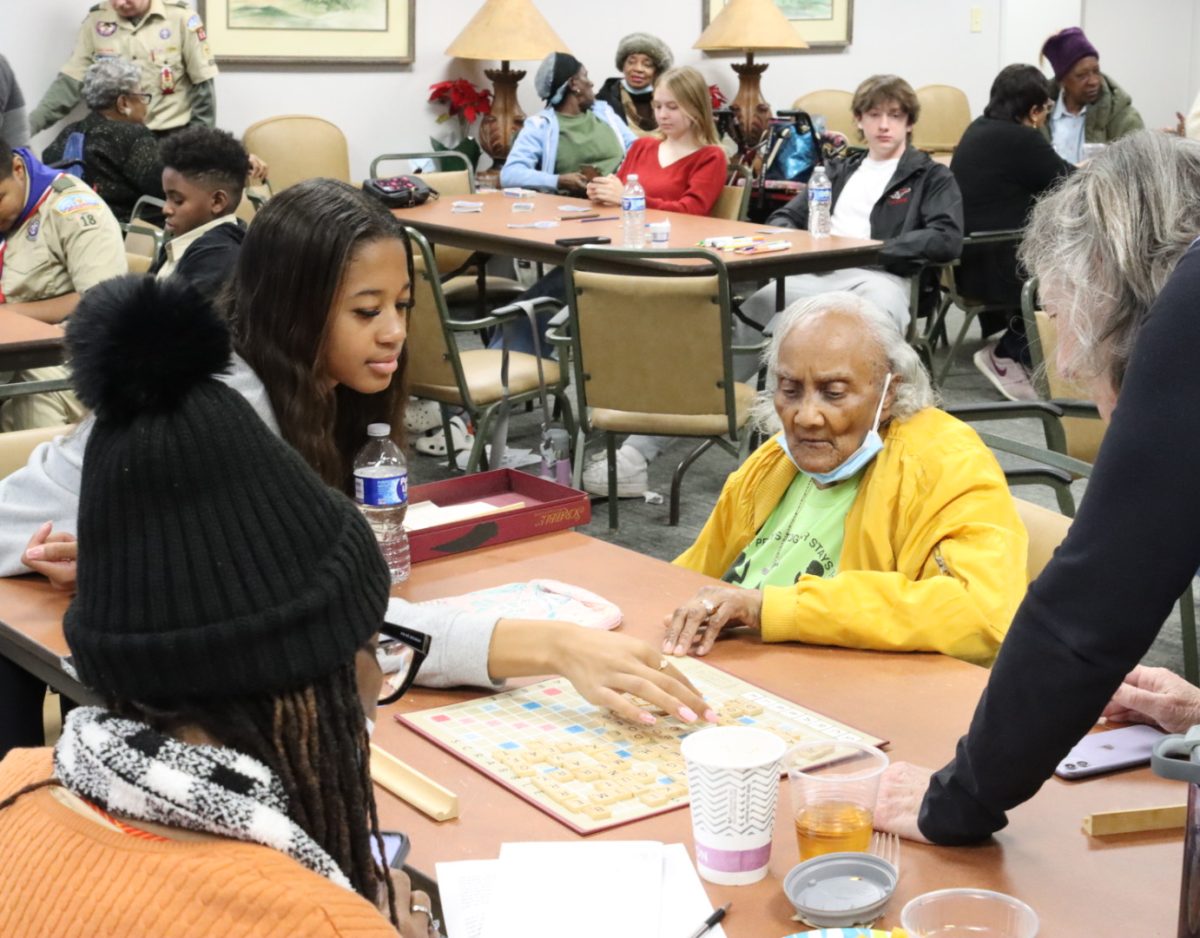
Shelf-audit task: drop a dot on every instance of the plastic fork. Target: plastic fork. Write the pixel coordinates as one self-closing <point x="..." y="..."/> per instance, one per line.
<point x="886" y="847"/>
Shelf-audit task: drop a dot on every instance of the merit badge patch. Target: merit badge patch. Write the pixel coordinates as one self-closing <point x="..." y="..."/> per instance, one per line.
<point x="194" y="22"/>
<point x="106" y="29"/>
<point x="34" y="227"/>
<point x="201" y="34"/>
<point x="76" y="202"/>
<point x="164" y="33"/>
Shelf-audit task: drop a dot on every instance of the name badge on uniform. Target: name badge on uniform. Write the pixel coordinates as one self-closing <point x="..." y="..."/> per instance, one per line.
<point x="105" y="29"/>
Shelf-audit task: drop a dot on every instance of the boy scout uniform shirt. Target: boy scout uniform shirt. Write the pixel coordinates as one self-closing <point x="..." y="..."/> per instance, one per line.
<point x="169" y="36"/>
<point x="70" y="244"/>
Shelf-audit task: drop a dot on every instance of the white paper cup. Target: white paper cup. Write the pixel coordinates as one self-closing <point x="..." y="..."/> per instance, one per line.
<point x="733" y="778"/>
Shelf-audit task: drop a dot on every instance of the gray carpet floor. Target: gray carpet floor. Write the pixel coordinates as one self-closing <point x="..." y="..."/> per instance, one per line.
<point x="643" y="523"/>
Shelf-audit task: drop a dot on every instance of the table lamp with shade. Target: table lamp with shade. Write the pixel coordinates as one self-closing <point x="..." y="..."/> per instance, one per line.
<point x="750" y="26"/>
<point x="507" y="30"/>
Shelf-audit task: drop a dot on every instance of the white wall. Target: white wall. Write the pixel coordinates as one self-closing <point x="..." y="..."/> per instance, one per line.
<point x="1154" y="56"/>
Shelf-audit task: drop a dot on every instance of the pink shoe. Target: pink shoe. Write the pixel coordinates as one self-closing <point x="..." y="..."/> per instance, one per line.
<point x="1007" y="376"/>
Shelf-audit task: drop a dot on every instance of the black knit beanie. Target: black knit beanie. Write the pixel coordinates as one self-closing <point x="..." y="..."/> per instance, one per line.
<point x="212" y="561"/>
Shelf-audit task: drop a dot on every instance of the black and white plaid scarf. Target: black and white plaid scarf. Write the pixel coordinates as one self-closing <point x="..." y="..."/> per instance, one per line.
<point x="134" y="771"/>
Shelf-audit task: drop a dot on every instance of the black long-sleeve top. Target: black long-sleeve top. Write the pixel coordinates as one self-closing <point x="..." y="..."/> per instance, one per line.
<point x="1098" y="605"/>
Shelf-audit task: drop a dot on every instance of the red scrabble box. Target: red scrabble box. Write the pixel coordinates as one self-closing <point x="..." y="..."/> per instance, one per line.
<point x="544" y="507"/>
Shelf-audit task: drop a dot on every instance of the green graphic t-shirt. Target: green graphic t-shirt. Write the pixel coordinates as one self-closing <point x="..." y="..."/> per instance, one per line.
<point x="804" y="534"/>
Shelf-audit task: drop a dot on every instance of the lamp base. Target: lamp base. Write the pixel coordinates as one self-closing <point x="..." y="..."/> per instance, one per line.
<point x="498" y="129"/>
<point x="750" y="107"/>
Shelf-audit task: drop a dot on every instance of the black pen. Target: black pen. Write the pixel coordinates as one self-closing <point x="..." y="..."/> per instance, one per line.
<point x="711" y="921"/>
<point x="584" y="221"/>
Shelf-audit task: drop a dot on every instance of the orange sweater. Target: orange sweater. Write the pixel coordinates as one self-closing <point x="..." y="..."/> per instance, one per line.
<point x="65" y="874"/>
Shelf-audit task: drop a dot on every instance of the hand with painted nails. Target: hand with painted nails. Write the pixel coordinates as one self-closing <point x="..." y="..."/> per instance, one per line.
<point x="52" y="554"/>
<point x="608" y="669"/>
<point x="695" y="625"/>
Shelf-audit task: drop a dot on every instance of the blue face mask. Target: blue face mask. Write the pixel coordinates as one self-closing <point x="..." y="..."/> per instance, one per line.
<point x="869" y="448"/>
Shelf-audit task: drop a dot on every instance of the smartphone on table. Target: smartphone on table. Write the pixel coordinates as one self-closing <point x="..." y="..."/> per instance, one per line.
<point x="1110" y="750"/>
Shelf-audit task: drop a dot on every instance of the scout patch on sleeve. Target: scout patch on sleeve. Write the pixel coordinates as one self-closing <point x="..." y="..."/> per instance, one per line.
<point x="194" y="22"/>
<point x="105" y="28"/>
<point x="77" y="202"/>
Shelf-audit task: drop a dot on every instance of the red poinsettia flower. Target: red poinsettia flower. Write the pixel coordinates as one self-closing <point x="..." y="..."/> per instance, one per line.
<point x="718" y="96"/>
<point x="462" y="97"/>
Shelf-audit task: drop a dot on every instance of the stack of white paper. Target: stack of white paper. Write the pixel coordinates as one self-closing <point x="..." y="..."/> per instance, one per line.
<point x="597" y="889"/>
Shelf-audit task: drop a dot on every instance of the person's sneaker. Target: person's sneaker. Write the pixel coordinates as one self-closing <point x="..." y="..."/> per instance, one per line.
<point x="1007" y="376"/>
<point x="632" y="474"/>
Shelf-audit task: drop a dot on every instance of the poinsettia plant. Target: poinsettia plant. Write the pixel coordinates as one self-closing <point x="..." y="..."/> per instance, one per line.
<point x="464" y="103"/>
<point x="718" y="97"/>
<point x="463" y="99"/>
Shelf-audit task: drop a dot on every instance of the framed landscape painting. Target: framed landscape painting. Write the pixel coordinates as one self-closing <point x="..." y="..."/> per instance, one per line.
<point x="824" y="24"/>
<point x="310" y="32"/>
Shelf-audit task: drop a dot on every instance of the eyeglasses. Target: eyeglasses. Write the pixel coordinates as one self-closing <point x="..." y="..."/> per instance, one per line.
<point x="143" y="96"/>
<point x="400" y="654"/>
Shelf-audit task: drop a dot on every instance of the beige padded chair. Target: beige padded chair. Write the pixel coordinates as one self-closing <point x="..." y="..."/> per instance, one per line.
<point x="16" y="445"/>
<point x="733" y="204"/>
<point x="463" y="271"/>
<point x="1083" y="434"/>
<point x="945" y="115"/>
<point x="299" y="147"/>
<point x="1046" y="530"/>
<point x="833" y="105"/>
<point x="439" y="371"/>
<point x="653" y="354"/>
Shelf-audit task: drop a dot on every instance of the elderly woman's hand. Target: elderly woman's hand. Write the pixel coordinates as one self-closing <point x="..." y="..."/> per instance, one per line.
<point x="902" y="788"/>
<point x="1155" y="696"/>
<point x="572" y="182"/>
<point x="696" y="624"/>
<point x="606" y="190"/>
<point x="53" y="555"/>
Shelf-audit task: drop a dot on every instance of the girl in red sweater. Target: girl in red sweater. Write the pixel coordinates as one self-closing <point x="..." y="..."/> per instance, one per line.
<point x="680" y="165"/>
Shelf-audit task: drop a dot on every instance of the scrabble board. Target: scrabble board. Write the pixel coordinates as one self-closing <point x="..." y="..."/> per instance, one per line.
<point x="591" y="770"/>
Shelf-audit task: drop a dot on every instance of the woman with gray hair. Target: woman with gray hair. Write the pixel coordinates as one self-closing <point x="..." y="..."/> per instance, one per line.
<point x="872" y="520"/>
<point x="1116" y="253"/>
<point x="117" y="153"/>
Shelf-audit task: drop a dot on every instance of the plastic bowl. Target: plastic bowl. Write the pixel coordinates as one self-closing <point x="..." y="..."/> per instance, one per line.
<point x="968" y="913"/>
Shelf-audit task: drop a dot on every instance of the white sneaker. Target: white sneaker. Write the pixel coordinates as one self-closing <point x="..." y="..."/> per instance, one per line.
<point x="1007" y="376"/>
<point x="632" y="474"/>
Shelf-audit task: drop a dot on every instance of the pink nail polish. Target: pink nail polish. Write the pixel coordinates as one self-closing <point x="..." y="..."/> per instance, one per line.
<point x="648" y="718"/>
<point x="687" y="715"/>
<point x="35" y="553"/>
<point x="711" y="715"/>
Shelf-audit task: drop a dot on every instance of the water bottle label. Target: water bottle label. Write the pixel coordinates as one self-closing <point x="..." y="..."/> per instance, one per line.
<point x="392" y="490"/>
<point x="820" y="194"/>
<point x="632" y="204"/>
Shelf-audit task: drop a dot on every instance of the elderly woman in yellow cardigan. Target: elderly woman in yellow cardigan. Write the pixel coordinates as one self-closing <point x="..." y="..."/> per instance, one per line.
<point x="873" y="520"/>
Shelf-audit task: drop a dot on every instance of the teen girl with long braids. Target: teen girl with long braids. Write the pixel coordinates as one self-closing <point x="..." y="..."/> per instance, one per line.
<point x="224" y="789"/>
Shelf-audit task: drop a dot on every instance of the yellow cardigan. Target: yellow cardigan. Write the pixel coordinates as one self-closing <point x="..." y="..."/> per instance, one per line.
<point x="934" y="552"/>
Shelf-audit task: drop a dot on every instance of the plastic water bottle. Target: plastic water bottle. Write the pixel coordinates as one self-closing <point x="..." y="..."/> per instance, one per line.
<point x="820" y="203"/>
<point x="633" y="213"/>
<point x="381" y="490"/>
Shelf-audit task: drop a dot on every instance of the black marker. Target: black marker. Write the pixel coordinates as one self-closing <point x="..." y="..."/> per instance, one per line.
<point x="711" y="921"/>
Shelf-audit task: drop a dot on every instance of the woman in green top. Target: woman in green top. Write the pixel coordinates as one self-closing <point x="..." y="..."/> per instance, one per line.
<point x="573" y="139"/>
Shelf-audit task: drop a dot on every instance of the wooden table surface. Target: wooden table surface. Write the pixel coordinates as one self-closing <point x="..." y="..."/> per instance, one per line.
<point x="1079" y="886"/>
<point x="488" y="231"/>
<point x="28" y="343"/>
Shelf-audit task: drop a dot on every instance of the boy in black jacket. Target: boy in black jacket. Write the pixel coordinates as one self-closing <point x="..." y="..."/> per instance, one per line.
<point x="204" y="173"/>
